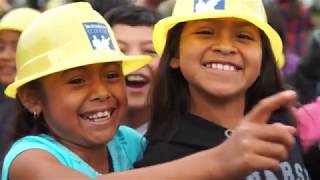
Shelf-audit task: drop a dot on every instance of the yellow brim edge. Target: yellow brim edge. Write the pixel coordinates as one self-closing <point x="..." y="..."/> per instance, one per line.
<point x="130" y="64"/>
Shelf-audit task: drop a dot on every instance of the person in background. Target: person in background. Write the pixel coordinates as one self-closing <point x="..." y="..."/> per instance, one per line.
<point x="162" y="7"/>
<point x="151" y="4"/>
<point x="103" y="6"/>
<point x="4" y="6"/>
<point x="12" y="25"/>
<point x="306" y="79"/>
<point x="277" y="22"/>
<point x="133" y="26"/>
<point x="298" y="23"/>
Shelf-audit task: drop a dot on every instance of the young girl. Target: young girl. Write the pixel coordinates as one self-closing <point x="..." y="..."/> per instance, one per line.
<point x="70" y="83"/>
<point x="11" y="26"/>
<point x="221" y="58"/>
<point x="138" y="21"/>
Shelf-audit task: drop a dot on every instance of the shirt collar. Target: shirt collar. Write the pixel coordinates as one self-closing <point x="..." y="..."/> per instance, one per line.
<point x="196" y="131"/>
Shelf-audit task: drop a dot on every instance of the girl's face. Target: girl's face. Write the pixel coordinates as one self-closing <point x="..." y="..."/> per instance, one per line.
<point x="219" y="58"/>
<point x="8" y="44"/>
<point x="84" y="105"/>
<point x="139" y="82"/>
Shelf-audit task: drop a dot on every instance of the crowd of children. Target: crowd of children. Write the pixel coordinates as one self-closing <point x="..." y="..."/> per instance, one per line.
<point x="123" y="93"/>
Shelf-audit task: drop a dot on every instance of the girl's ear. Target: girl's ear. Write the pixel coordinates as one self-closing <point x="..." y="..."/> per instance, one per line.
<point x="174" y="63"/>
<point x="30" y="99"/>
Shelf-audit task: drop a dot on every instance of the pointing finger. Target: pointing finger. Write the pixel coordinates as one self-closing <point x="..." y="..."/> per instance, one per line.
<point x="261" y="112"/>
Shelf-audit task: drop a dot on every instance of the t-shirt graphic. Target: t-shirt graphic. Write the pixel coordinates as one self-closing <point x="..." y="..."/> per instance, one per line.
<point x="99" y="36"/>
<point x="208" y="5"/>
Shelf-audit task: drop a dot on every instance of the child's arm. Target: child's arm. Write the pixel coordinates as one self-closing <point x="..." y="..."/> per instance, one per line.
<point x="40" y="164"/>
<point x="254" y="145"/>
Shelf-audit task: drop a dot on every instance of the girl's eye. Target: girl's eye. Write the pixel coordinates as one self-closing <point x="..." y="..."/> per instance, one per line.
<point x="123" y="50"/>
<point x="150" y="52"/>
<point x="204" y="32"/>
<point x="112" y="75"/>
<point x="245" y="36"/>
<point x="76" y="81"/>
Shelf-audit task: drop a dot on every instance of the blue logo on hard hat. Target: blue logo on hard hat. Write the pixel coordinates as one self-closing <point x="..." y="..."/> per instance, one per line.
<point x="208" y="5"/>
<point x="99" y="36"/>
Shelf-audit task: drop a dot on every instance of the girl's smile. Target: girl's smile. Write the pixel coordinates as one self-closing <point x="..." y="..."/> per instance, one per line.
<point x="97" y="118"/>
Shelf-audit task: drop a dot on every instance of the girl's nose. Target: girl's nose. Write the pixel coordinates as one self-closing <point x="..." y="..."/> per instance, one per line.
<point x="224" y="45"/>
<point x="100" y="91"/>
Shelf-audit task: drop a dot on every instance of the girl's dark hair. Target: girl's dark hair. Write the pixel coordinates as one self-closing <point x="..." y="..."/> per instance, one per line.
<point x="170" y="98"/>
<point x="104" y="6"/>
<point x="25" y="123"/>
<point x="132" y="15"/>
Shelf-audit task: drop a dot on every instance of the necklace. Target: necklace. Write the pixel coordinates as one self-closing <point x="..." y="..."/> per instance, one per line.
<point x="228" y="133"/>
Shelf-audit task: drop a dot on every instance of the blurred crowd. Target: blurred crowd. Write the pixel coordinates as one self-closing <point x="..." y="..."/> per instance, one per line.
<point x="297" y="23"/>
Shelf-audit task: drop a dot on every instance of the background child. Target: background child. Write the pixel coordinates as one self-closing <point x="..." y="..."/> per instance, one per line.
<point x="11" y="26"/>
<point x="105" y="6"/>
<point x="298" y="24"/>
<point x="133" y="28"/>
<point x="219" y="59"/>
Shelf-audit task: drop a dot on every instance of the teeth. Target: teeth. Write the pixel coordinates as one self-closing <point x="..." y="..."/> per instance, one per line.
<point x="223" y="67"/>
<point x="135" y="78"/>
<point x="100" y="115"/>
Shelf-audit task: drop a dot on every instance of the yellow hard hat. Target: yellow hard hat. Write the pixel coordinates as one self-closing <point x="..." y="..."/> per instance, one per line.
<point x="66" y="37"/>
<point x="18" y="19"/>
<point x="188" y="10"/>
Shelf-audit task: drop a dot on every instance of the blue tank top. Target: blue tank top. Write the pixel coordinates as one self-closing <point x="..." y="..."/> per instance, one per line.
<point x="125" y="148"/>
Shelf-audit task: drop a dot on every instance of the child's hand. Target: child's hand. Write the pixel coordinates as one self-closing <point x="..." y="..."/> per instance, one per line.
<point x="256" y="145"/>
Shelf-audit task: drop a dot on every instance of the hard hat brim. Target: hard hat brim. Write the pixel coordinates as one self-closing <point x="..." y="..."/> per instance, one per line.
<point x="129" y="64"/>
<point x="10" y="28"/>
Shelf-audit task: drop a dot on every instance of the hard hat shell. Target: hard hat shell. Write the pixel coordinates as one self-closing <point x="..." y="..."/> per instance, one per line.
<point x="18" y="19"/>
<point x="66" y="37"/>
<point x="189" y="10"/>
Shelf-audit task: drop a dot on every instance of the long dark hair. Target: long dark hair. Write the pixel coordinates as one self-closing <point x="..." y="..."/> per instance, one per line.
<point x="26" y="123"/>
<point x="170" y="98"/>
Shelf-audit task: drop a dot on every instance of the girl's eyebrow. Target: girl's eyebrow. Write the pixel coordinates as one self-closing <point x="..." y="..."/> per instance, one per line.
<point x="83" y="68"/>
<point x="245" y="24"/>
<point x="143" y="42"/>
<point x="65" y="72"/>
<point x="214" y="21"/>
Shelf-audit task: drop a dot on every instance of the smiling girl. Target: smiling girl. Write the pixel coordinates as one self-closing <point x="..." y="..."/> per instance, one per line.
<point x="217" y="63"/>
